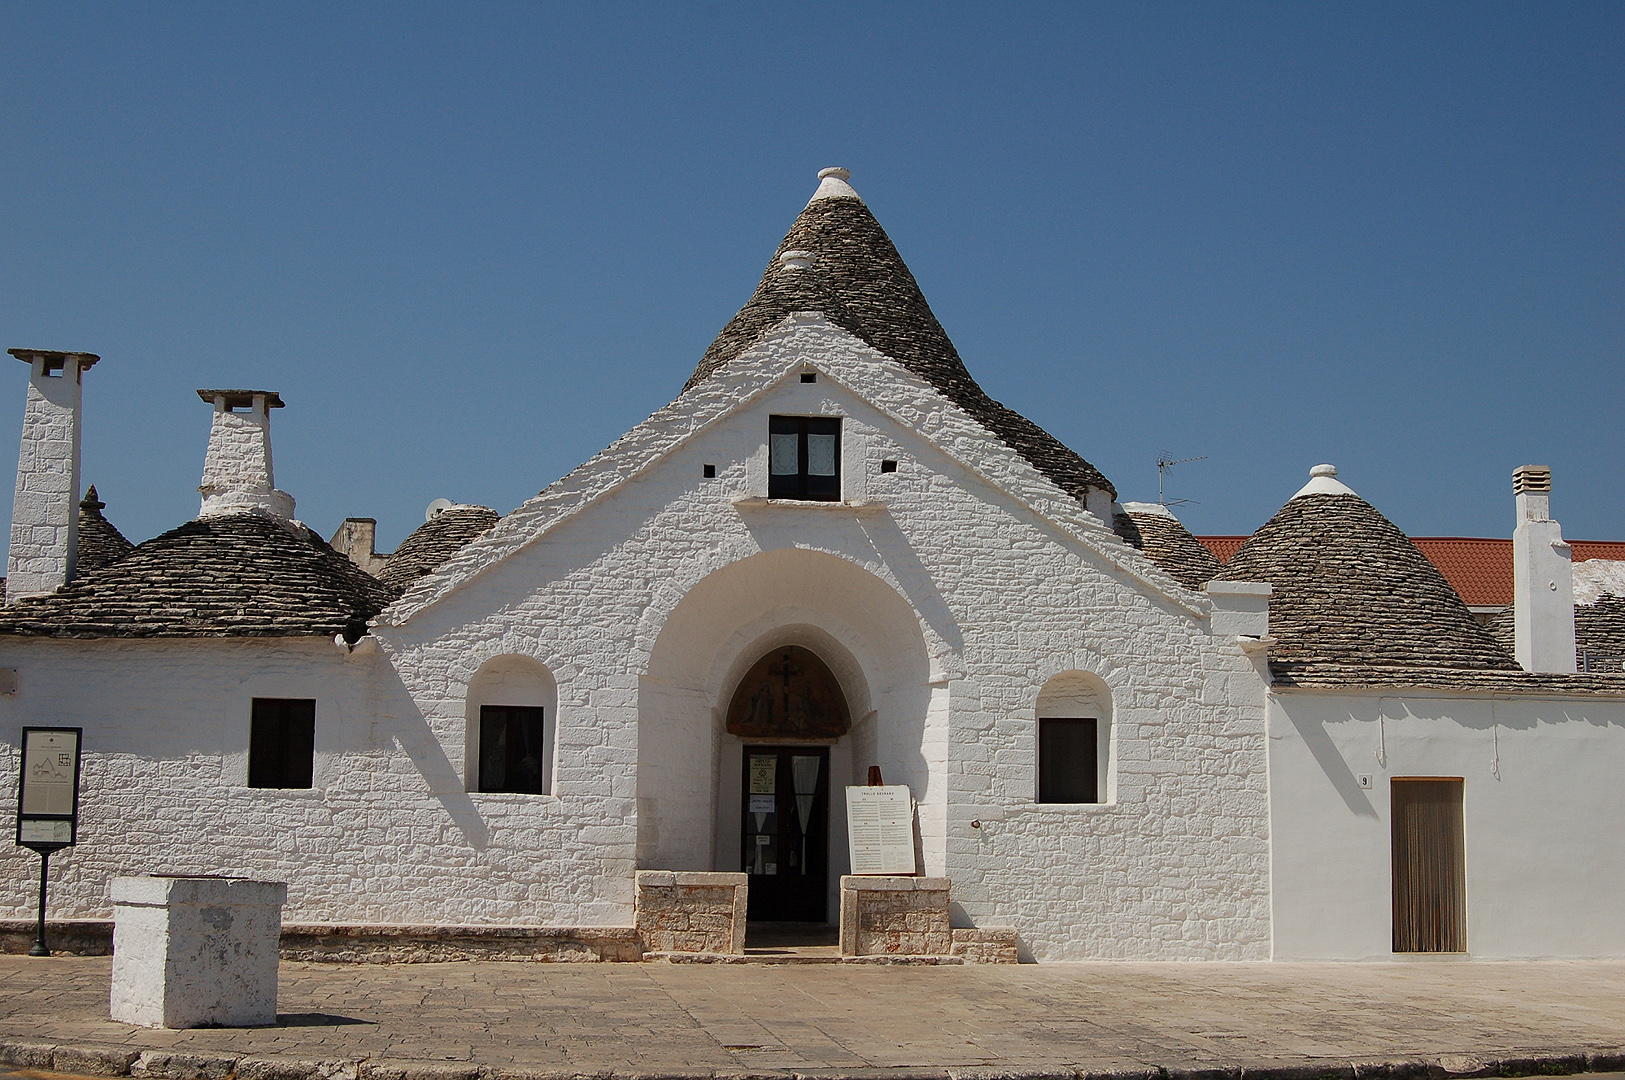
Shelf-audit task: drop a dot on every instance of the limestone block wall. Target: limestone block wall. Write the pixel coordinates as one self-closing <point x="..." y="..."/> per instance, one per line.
<point x="895" y="916"/>
<point x="45" y="510"/>
<point x="691" y="912"/>
<point x="945" y="595"/>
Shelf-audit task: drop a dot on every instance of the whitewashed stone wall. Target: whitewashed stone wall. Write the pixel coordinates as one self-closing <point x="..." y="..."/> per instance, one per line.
<point x="952" y="606"/>
<point x="1542" y="805"/>
<point x="944" y="596"/>
<point x="45" y="510"/>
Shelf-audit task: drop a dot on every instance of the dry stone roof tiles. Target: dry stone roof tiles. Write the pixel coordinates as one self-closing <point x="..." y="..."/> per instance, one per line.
<point x="242" y="575"/>
<point x="435" y="541"/>
<point x="858" y="281"/>
<point x="1355" y="602"/>
<point x="1170" y="545"/>
<point x="1599" y="634"/>
<point x="100" y="543"/>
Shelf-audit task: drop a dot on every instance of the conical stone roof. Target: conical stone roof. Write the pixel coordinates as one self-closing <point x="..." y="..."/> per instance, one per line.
<point x="237" y="575"/>
<point x="435" y="541"/>
<point x="838" y="261"/>
<point x="100" y="543"/>
<point x="1354" y="600"/>
<point x="1166" y="542"/>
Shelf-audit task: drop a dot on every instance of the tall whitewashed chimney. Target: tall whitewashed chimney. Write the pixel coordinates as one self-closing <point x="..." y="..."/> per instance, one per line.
<point x="45" y="512"/>
<point x="237" y="476"/>
<point x="1542" y="577"/>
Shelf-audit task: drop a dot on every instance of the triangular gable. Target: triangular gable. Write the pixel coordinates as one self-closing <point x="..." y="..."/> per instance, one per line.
<point x="882" y="382"/>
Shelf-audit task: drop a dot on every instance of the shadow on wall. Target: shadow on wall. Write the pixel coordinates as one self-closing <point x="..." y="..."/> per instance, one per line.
<point x="402" y="721"/>
<point x="1331" y="762"/>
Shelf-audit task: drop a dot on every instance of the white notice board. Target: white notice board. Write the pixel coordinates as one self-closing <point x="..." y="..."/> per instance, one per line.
<point x="880" y="829"/>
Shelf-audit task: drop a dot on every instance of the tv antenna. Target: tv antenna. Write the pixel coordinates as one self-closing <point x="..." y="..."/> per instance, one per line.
<point x="1164" y="463"/>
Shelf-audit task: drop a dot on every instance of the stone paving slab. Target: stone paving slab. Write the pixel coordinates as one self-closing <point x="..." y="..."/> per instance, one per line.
<point x="512" y="1021"/>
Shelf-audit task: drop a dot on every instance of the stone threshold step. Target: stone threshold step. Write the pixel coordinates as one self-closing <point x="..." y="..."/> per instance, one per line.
<point x="885" y="960"/>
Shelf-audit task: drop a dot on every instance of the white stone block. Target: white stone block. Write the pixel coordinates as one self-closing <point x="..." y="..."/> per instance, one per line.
<point x="190" y="951"/>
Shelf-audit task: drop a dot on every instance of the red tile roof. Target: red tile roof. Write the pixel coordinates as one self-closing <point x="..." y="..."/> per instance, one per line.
<point x="1223" y="546"/>
<point x="1480" y="568"/>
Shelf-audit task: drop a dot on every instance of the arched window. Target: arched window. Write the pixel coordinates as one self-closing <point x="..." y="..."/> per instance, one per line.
<point x="512" y="719"/>
<point x="1074" y="739"/>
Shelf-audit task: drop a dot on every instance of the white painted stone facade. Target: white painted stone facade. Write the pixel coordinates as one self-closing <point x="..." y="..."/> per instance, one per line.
<point x="956" y="599"/>
<point x="1543" y="812"/>
<point x="629" y="598"/>
<point x="45" y="510"/>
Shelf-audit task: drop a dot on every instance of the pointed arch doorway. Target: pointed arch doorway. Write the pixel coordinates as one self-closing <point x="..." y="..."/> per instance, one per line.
<point x="787" y="711"/>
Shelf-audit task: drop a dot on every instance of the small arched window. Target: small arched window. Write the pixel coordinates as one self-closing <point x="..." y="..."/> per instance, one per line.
<point x="1074" y="739"/>
<point x="512" y="718"/>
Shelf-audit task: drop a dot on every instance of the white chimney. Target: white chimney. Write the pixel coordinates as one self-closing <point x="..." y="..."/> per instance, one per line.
<point x="237" y="475"/>
<point x="1542" y="577"/>
<point x="45" y="513"/>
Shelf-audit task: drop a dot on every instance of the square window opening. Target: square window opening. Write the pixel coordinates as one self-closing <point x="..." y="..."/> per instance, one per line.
<point x="1068" y="760"/>
<point x="889" y="465"/>
<point x="710" y="471"/>
<point x="809" y="376"/>
<point x="282" y="743"/>
<point x="512" y="751"/>
<point x="804" y="458"/>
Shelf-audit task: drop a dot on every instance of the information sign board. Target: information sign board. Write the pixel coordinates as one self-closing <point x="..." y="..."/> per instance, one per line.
<point x="48" y="788"/>
<point x="880" y="829"/>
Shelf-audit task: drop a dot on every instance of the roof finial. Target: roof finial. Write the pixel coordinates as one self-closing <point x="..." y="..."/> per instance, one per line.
<point x="832" y="184"/>
<point x="1323" y="481"/>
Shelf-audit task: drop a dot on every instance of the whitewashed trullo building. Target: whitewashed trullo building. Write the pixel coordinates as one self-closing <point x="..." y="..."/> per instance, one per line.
<point x="832" y="551"/>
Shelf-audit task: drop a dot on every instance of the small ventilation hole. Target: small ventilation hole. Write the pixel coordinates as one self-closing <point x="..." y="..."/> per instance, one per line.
<point x="809" y="376"/>
<point x="710" y="471"/>
<point x="889" y="465"/>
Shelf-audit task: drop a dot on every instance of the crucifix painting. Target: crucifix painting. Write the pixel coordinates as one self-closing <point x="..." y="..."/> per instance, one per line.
<point x="789" y="694"/>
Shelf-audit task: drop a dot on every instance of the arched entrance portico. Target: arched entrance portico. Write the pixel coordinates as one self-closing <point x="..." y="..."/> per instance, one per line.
<point x="693" y="772"/>
<point x="787" y="710"/>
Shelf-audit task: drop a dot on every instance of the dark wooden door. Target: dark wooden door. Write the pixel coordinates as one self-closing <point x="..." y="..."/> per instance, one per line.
<point x="1429" y="866"/>
<point x="786" y="832"/>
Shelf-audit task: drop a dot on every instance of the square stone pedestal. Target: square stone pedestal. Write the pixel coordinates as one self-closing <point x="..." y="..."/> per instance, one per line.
<point x="691" y="912"/>
<point x="189" y="951"/>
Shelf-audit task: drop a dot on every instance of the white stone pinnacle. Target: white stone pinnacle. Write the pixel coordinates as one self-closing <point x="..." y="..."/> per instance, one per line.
<point x="832" y="184"/>
<point x="1148" y="508"/>
<point x="1323" y="481"/>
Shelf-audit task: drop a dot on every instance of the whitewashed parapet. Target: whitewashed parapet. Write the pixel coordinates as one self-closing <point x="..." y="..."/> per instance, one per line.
<point x="691" y="912"/>
<point x="1241" y="608"/>
<point x="190" y="951"/>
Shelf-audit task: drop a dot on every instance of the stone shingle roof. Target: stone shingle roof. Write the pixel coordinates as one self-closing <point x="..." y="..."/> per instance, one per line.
<point x="435" y="541"/>
<point x="242" y="575"/>
<point x="1167" y="542"/>
<point x="857" y="280"/>
<point x="1599" y="634"/>
<point x="100" y="543"/>
<point x="1355" y="602"/>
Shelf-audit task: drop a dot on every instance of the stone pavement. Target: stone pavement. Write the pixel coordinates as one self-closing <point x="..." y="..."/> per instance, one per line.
<point x="455" y="1021"/>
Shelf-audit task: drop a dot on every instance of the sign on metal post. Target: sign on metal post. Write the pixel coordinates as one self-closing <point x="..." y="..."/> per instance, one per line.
<point x="48" y="801"/>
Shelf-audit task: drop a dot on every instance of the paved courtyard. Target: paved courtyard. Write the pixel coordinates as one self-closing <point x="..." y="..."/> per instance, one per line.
<point x="689" y="1018"/>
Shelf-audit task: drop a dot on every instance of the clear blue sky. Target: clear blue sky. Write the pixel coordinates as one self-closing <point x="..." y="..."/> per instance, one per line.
<point x="471" y="244"/>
